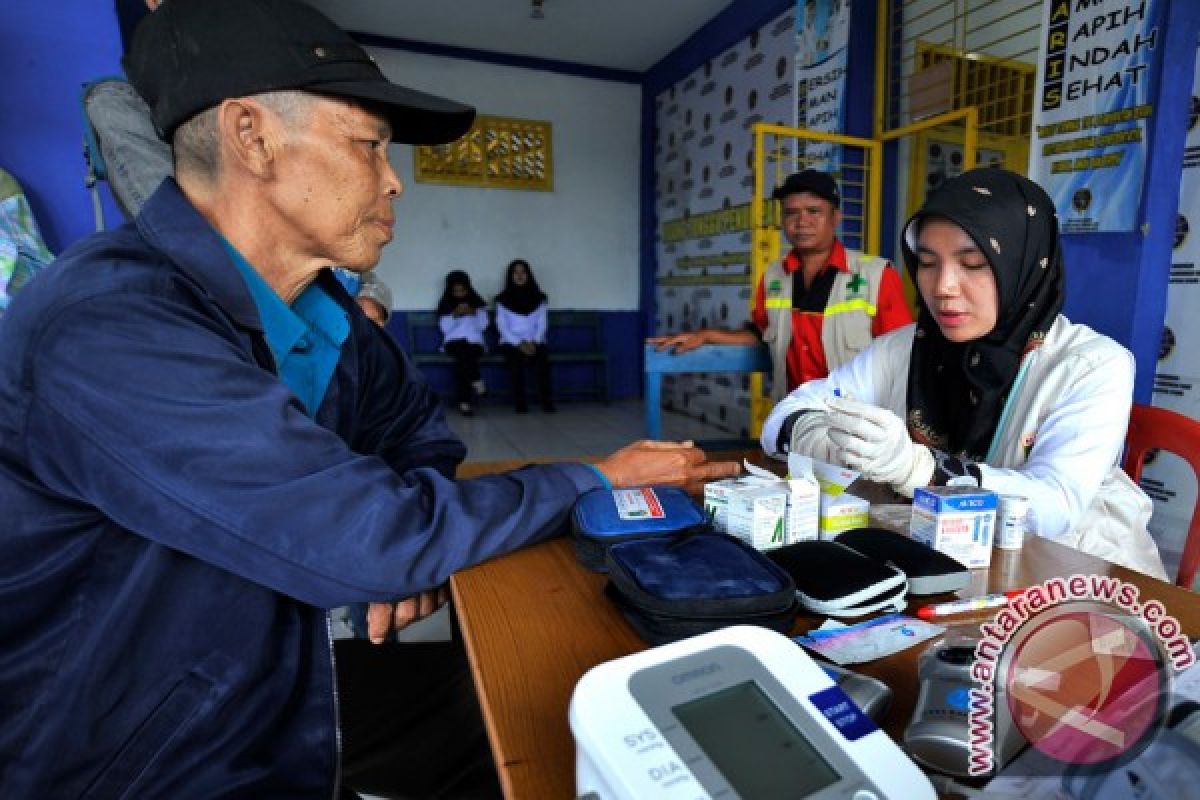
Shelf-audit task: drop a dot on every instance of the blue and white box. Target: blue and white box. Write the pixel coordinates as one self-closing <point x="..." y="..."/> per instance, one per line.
<point x="957" y="520"/>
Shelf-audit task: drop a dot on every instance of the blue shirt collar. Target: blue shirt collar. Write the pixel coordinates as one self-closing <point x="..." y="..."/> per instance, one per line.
<point x="305" y="338"/>
<point x="280" y="324"/>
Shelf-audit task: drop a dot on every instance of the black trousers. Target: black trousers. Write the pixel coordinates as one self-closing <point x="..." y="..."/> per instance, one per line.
<point x="411" y="725"/>
<point x="517" y="363"/>
<point x="466" y="367"/>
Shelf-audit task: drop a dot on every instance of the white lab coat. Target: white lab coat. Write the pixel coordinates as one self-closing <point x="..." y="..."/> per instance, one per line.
<point x="1059" y="441"/>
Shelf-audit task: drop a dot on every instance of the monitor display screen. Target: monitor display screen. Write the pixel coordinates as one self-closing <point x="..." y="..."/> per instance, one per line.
<point x="754" y="745"/>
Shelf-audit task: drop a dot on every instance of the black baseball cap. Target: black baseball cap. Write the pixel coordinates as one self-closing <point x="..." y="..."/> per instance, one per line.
<point x="189" y="55"/>
<point x="813" y="181"/>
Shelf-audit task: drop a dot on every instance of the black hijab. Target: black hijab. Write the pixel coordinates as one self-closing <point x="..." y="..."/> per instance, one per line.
<point x="957" y="391"/>
<point x="520" y="299"/>
<point x="449" y="302"/>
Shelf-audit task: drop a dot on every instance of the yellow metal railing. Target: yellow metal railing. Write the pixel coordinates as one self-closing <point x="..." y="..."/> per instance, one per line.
<point x="861" y="181"/>
<point x="980" y="52"/>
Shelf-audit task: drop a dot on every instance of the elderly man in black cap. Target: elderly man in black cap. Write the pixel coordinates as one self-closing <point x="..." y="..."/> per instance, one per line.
<point x="842" y="300"/>
<point x="205" y="446"/>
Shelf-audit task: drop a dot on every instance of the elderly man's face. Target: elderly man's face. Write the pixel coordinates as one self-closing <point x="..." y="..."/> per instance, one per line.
<point x="336" y="185"/>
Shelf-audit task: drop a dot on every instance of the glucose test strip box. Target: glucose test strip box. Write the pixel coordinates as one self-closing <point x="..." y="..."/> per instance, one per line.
<point x="716" y="501"/>
<point x="758" y="514"/>
<point x="803" y="489"/>
<point x="803" y="509"/>
<point x="842" y="512"/>
<point x="957" y="520"/>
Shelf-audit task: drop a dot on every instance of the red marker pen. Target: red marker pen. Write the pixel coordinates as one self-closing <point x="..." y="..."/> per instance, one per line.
<point x="968" y="604"/>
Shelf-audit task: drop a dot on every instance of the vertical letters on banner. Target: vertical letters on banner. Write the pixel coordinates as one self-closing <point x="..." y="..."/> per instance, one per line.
<point x="822" y="36"/>
<point x="1097" y="67"/>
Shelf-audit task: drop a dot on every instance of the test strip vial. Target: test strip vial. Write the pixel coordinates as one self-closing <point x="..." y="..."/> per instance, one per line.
<point x="1012" y="521"/>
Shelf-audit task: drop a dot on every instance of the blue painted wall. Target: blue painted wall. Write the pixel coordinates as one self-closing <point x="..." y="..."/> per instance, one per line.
<point x="50" y="50"/>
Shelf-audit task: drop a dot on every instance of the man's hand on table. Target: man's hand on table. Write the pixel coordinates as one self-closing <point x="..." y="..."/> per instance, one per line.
<point x="665" y="464"/>
<point x="383" y="618"/>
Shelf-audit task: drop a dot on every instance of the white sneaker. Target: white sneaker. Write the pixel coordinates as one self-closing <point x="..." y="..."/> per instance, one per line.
<point x="479" y="387"/>
<point x="466" y="409"/>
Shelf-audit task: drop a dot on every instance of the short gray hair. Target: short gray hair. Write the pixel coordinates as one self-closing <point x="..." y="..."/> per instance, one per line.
<point x="195" y="141"/>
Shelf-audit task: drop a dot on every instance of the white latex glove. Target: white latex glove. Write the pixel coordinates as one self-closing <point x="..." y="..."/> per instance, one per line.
<point x="810" y="437"/>
<point x="875" y="442"/>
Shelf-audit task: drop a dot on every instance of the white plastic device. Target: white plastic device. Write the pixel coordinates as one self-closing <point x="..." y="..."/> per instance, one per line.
<point x="742" y="712"/>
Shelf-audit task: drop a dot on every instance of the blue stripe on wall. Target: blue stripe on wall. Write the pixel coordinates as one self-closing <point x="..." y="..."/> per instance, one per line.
<point x="503" y="59"/>
<point x="620" y="337"/>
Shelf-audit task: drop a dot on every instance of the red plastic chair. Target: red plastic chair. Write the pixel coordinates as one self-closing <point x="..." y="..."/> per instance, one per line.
<point x="1152" y="428"/>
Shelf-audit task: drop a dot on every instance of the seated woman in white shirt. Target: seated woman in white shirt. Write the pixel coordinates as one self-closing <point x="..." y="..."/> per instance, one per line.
<point x="462" y="317"/>
<point x="992" y="381"/>
<point x="521" y="320"/>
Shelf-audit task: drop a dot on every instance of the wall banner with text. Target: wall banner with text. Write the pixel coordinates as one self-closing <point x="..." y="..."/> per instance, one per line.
<point x="822" y="36"/>
<point x="1097" y="68"/>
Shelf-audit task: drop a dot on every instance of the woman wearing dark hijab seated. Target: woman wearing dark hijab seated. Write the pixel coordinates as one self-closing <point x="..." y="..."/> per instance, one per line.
<point x="992" y="382"/>
<point x="521" y="321"/>
<point x="462" y="317"/>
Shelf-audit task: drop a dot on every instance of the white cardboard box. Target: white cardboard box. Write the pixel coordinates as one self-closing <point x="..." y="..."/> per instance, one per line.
<point x="957" y="520"/>
<point x="716" y="501"/>
<point x="758" y="514"/>
<point x="803" y="510"/>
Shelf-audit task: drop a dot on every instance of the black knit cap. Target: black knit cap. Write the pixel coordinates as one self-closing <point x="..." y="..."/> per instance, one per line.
<point x="189" y="55"/>
<point x="812" y="181"/>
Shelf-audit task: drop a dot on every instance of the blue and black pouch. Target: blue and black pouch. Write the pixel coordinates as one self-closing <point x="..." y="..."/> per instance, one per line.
<point x="603" y="517"/>
<point x="673" y="587"/>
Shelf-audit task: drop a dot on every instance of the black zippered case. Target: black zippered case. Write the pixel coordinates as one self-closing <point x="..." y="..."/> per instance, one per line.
<point x="669" y="588"/>
<point x="836" y="581"/>
<point x="928" y="571"/>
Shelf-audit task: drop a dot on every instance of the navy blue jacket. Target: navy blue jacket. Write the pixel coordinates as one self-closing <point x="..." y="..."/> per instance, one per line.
<point x="173" y="525"/>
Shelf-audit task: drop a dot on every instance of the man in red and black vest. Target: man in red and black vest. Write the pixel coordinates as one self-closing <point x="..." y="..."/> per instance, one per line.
<point x="842" y="300"/>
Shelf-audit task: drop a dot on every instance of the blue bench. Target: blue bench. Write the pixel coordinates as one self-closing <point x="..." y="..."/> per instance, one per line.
<point x="575" y="339"/>
<point x="708" y="358"/>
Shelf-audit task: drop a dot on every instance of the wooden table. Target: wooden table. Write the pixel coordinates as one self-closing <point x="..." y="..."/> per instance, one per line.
<point x="535" y="621"/>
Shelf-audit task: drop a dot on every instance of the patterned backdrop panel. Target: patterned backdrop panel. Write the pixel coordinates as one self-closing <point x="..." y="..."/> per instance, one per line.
<point x="704" y="166"/>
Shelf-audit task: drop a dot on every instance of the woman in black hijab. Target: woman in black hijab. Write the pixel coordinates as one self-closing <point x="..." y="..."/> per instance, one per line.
<point x="521" y="312"/>
<point x="992" y="384"/>
<point x="959" y="377"/>
<point x="462" y="317"/>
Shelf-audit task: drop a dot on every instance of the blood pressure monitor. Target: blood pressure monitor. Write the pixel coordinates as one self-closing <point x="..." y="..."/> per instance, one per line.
<point x="742" y="712"/>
